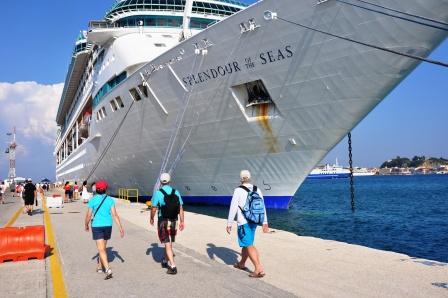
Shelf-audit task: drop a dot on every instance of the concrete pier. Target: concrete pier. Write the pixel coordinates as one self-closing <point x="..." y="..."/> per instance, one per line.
<point x="295" y="265"/>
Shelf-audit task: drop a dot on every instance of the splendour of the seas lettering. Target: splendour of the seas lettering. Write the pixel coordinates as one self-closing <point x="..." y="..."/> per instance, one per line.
<point x="262" y="59"/>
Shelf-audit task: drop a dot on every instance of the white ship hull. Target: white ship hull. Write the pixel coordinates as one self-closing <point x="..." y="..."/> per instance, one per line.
<point x="321" y="88"/>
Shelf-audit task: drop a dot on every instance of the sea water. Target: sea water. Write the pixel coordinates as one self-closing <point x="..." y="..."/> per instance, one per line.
<point x="406" y="214"/>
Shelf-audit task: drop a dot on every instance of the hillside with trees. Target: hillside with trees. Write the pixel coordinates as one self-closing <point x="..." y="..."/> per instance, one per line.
<point x="415" y="162"/>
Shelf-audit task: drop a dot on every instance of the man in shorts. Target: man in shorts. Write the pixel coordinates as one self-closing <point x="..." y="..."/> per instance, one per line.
<point x="163" y="202"/>
<point x="29" y="195"/>
<point x="246" y="230"/>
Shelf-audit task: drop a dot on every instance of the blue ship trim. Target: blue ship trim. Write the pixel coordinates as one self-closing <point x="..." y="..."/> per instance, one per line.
<point x="271" y="202"/>
<point x="328" y="176"/>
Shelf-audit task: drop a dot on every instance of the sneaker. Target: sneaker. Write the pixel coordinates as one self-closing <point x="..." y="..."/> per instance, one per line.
<point x="108" y="274"/>
<point x="164" y="264"/>
<point x="171" y="270"/>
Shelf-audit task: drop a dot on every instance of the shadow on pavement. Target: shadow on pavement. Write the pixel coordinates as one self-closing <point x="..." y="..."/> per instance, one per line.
<point x="156" y="252"/>
<point x="229" y="256"/>
<point x="111" y="255"/>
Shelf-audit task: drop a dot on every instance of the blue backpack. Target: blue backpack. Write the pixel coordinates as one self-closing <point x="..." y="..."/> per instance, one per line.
<point x="253" y="210"/>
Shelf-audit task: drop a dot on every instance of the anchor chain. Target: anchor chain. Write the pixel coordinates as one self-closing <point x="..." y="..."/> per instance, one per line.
<point x="350" y="161"/>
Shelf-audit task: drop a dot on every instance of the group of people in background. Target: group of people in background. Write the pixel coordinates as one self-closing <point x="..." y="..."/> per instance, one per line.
<point x="73" y="192"/>
<point x="247" y="206"/>
<point x="28" y="191"/>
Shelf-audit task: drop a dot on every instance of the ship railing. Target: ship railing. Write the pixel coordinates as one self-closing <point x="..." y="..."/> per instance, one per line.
<point x="101" y="25"/>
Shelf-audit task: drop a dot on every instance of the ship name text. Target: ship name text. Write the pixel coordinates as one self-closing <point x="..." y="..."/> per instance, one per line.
<point x="262" y="59"/>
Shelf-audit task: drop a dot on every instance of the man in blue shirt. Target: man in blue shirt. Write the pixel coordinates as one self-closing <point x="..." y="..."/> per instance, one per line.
<point x="167" y="203"/>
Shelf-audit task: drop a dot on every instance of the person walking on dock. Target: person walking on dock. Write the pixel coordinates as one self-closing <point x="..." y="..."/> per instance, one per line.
<point x="76" y="191"/>
<point x="29" y="195"/>
<point x="2" y="192"/>
<point x="167" y="202"/>
<point x="67" y="188"/>
<point x="248" y="205"/>
<point x="100" y="215"/>
<point x="85" y="195"/>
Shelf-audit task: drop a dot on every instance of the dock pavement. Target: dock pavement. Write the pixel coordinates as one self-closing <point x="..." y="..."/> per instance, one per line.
<point x="295" y="265"/>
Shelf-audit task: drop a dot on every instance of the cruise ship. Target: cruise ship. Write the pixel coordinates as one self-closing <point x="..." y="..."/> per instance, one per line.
<point x="204" y="89"/>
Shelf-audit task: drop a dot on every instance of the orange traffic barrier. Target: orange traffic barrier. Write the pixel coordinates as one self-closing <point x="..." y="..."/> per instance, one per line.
<point x="23" y="243"/>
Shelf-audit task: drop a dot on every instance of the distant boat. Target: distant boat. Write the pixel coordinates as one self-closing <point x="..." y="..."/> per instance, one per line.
<point x="329" y="172"/>
<point x="360" y="172"/>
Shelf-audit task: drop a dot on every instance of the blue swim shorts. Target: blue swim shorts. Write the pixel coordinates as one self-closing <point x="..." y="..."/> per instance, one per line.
<point x="246" y="234"/>
<point x="101" y="233"/>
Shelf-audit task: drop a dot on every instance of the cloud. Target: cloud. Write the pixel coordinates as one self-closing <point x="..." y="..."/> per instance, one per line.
<point x="31" y="108"/>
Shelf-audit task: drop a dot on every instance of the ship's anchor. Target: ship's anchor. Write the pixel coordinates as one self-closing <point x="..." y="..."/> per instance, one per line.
<point x="350" y="162"/>
<point x="267" y="186"/>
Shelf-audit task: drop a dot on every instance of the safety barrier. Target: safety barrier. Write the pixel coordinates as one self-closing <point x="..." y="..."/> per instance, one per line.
<point x="22" y="243"/>
<point x="127" y="193"/>
<point x="132" y="193"/>
<point x="55" y="202"/>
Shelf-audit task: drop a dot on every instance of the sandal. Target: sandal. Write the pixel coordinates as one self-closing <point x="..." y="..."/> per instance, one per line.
<point x="257" y="275"/>
<point x="237" y="266"/>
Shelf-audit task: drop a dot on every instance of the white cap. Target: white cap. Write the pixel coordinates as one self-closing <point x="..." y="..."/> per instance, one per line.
<point x="29" y="179"/>
<point x="245" y="174"/>
<point x="165" y="178"/>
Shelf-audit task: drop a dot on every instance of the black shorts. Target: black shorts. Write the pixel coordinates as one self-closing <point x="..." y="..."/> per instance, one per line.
<point x="101" y="233"/>
<point x="29" y="201"/>
<point x="167" y="230"/>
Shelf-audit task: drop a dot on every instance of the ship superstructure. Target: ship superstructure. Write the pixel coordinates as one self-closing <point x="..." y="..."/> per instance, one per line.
<point x="203" y="89"/>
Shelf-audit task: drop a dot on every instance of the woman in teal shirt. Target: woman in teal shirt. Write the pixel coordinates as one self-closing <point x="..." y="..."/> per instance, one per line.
<point x="100" y="214"/>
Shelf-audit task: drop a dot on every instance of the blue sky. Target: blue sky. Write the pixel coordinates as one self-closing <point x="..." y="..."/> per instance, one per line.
<point x="37" y="40"/>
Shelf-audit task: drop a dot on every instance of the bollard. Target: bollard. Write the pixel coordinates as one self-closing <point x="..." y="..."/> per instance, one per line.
<point x="23" y="243"/>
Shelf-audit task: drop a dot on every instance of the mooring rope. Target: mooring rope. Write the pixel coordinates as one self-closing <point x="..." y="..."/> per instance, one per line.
<point x="436" y="62"/>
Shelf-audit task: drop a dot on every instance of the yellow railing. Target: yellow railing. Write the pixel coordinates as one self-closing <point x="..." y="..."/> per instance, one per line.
<point x="131" y="193"/>
<point x="126" y="193"/>
<point x="121" y="193"/>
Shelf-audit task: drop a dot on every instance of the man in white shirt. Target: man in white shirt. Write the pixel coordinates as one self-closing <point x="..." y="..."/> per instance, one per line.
<point x="246" y="230"/>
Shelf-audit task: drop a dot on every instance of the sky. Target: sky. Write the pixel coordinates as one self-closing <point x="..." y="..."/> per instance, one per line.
<point x="37" y="41"/>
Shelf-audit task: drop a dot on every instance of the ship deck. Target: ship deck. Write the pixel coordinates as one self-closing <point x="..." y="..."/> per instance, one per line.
<point x="295" y="265"/>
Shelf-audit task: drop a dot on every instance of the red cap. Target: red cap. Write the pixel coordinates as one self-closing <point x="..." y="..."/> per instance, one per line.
<point x="101" y="185"/>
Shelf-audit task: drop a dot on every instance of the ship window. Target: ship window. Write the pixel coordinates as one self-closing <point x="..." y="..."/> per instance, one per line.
<point x="143" y="90"/>
<point x="119" y="102"/>
<point x="98" y="116"/>
<point x="135" y="95"/>
<point x="167" y="36"/>
<point x="160" y="45"/>
<point x="113" y="105"/>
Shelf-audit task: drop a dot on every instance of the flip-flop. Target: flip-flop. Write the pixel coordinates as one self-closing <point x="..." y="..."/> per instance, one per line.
<point x="257" y="275"/>
<point x="237" y="266"/>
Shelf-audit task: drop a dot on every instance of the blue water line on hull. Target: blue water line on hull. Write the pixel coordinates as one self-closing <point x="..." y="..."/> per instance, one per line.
<point x="271" y="202"/>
